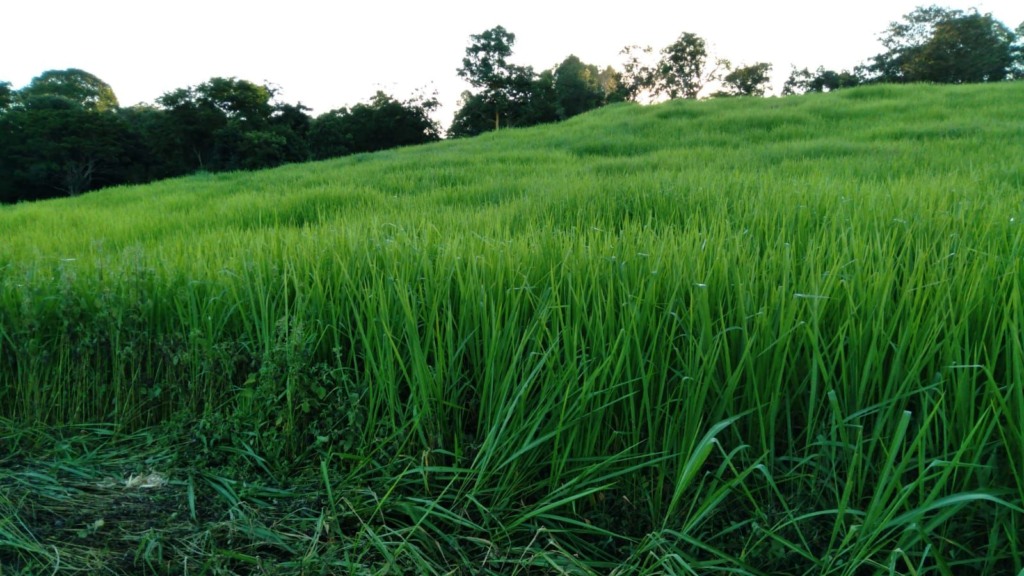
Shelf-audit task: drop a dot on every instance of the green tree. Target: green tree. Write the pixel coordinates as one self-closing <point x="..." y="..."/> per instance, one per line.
<point x="78" y="86"/>
<point x="612" y="85"/>
<point x="293" y="122"/>
<point x="577" y="87"/>
<point x="385" y="122"/>
<point x="236" y="147"/>
<point x="62" y="135"/>
<point x="530" y="100"/>
<point x="486" y="66"/>
<point x="750" y="80"/>
<point x="188" y="129"/>
<point x="639" y="75"/>
<point x="329" y="135"/>
<point x="156" y="156"/>
<point x="382" y="123"/>
<point x="6" y="96"/>
<point x="683" y="69"/>
<point x="1017" y="69"/>
<point x="58" y="150"/>
<point x="472" y="118"/>
<point x="934" y="44"/>
<point x="230" y="124"/>
<point x="533" y="99"/>
<point x="238" y="99"/>
<point x="263" y="141"/>
<point x="821" y="80"/>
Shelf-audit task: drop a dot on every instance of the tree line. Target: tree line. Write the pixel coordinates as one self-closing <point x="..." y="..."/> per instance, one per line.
<point x="65" y="132"/>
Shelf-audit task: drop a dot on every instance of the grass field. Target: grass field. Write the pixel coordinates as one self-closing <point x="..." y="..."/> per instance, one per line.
<point x="739" y="336"/>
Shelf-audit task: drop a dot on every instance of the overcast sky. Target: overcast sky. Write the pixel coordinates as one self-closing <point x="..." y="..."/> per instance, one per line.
<point x="332" y="54"/>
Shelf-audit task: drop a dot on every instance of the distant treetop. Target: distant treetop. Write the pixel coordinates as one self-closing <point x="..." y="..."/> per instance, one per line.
<point x="76" y="86"/>
<point x="934" y="44"/>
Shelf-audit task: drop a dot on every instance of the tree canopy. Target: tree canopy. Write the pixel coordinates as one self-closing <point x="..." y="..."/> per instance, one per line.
<point x="581" y="87"/>
<point x="232" y="124"/>
<point x="64" y="134"/>
<point x="379" y="124"/>
<point x="1017" y="69"/>
<point x="683" y="69"/>
<point x="6" y="96"/>
<point x="486" y="66"/>
<point x="821" y="80"/>
<point x="934" y="44"/>
<point x="62" y="151"/>
<point x="576" y="87"/>
<point x="74" y="85"/>
<point x="752" y="80"/>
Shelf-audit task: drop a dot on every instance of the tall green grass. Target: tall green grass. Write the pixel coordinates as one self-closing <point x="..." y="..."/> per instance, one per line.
<point x="736" y="336"/>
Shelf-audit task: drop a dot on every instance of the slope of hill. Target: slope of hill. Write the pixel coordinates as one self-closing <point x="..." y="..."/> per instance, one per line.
<point x="743" y="335"/>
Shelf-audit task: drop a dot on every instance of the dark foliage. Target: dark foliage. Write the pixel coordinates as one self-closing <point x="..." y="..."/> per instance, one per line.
<point x="53" y="148"/>
<point x="933" y="44"/>
<point x="517" y="96"/>
<point x="64" y="133"/>
<point x="379" y="124"/>
<point x="750" y="80"/>
<point x="821" y="80"/>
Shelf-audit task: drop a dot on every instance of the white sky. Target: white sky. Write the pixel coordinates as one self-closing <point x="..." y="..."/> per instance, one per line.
<point x="332" y="54"/>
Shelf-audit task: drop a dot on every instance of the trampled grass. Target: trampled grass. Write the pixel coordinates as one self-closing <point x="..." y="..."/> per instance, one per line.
<point x="746" y="336"/>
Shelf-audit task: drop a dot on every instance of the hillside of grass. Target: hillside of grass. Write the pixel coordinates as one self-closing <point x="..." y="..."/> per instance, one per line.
<point x="745" y="336"/>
